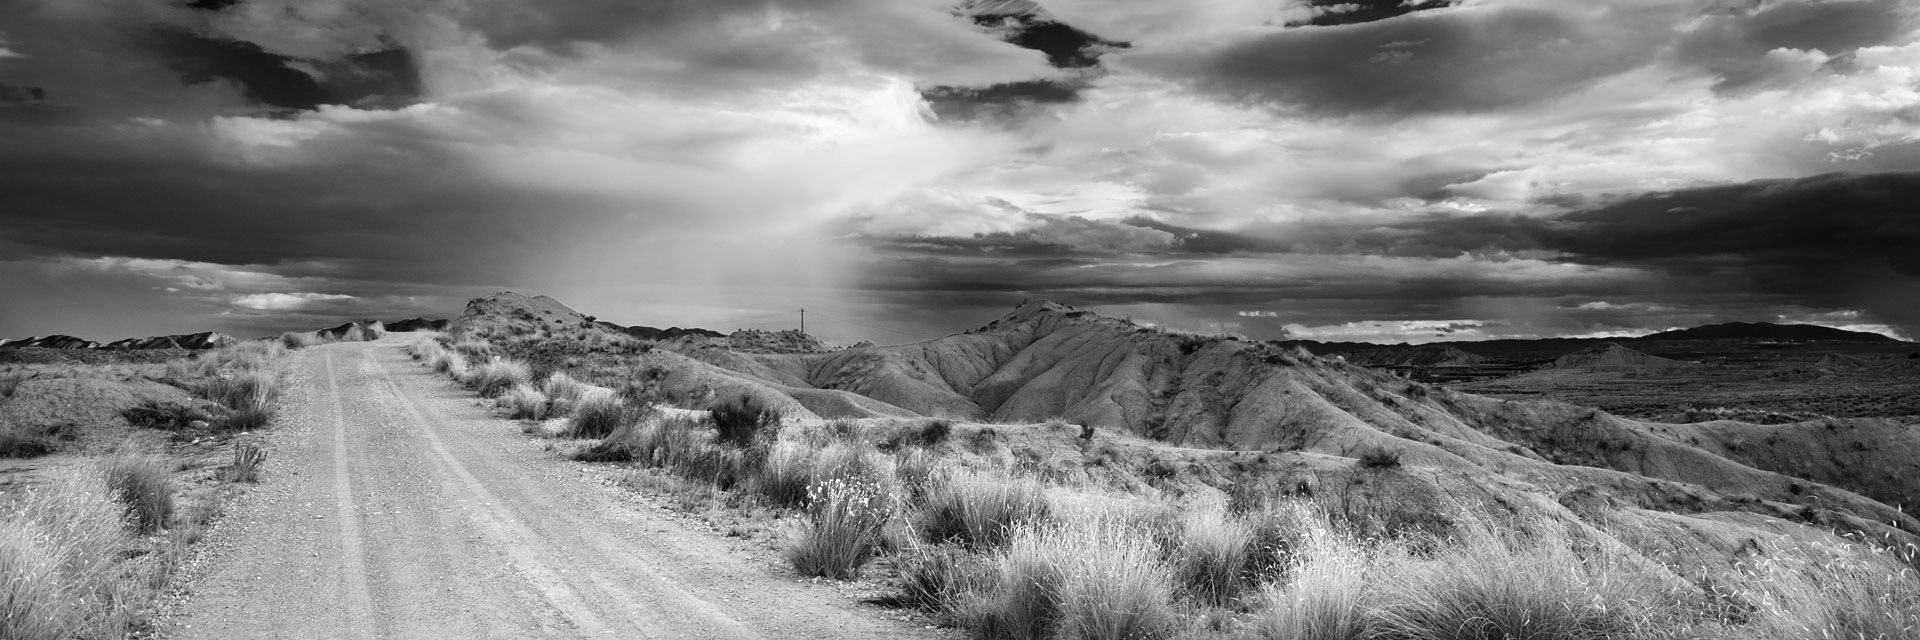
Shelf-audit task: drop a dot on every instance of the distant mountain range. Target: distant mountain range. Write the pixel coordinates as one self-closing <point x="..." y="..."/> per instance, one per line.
<point x="204" y="339"/>
<point x="1767" y="331"/>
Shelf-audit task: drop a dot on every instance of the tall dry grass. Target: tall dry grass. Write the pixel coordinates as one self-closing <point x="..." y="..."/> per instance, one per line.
<point x="144" y="484"/>
<point x="842" y="529"/>
<point x="496" y="376"/>
<point x="977" y="510"/>
<point x="61" y="575"/>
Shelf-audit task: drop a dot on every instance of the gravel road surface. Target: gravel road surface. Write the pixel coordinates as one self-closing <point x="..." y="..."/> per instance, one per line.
<point x="394" y="506"/>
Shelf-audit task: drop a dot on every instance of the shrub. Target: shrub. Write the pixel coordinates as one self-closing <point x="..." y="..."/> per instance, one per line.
<point x="524" y="403"/>
<point x="473" y="349"/>
<point x="1020" y="603"/>
<point x="450" y="363"/>
<point x="11" y="379"/>
<point x="934" y="578"/>
<point x="161" y="415"/>
<point x="562" y="392"/>
<point x="598" y="416"/>
<point x="497" y="376"/>
<point x="1327" y="599"/>
<point x="842" y="530"/>
<point x="935" y="432"/>
<point x="248" y="395"/>
<point x="144" y="484"/>
<point x="785" y="474"/>
<point x="1114" y="585"/>
<point x="737" y="422"/>
<point x="1211" y="557"/>
<point x="1380" y="459"/>
<point x="294" y="340"/>
<point x="1491" y="585"/>
<point x="978" y="512"/>
<point x="17" y="441"/>
<point x="247" y="456"/>
<point x="1088" y="577"/>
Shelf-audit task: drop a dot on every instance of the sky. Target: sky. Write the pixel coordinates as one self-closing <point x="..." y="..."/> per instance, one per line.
<point x="1385" y="171"/>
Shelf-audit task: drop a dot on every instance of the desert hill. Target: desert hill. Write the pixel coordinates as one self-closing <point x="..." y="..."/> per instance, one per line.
<point x="1420" y="356"/>
<point x="1767" y="331"/>
<point x="1612" y="355"/>
<point x="1208" y="402"/>
<point x="193" y="341"/>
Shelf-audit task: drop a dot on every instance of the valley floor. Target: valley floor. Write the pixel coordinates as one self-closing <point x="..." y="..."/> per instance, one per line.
<point x="394" y="506"/>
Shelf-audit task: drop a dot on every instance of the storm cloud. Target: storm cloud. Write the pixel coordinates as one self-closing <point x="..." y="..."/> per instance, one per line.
<point x="1459" y="169"/>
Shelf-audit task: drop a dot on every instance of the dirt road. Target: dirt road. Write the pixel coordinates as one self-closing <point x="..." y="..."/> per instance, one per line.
<point x="393" y="506"/>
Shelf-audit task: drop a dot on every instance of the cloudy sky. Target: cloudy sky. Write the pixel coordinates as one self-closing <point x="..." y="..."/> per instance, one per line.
<point x="1388" y="170"/>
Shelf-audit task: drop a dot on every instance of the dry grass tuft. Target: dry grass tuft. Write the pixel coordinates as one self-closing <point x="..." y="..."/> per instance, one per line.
<point x="497" y="376"/>
<point x="144" y="484"/>
<point x="247" y="457"/>
<point x="598" y="416"/>
<point x="842" y="529"/>
<point x="524" y="403"/>
<point x="59" y="575"/>
<point x="1211" y="557"/>
<point x="977" y="511"/>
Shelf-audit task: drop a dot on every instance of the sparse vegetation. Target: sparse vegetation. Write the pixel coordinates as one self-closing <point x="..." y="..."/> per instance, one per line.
<point x="842" y="530"/>
<point x="1380" y="459"/>
<point x="143" y="483"/>
<point x="598" y="416"/>
<point x="979" y="511"/>
<point x="740" y="420"/>
<point x="247" y="457"/>
<point x="496" y="376"/>
<point x="524" y="403"/>
<point x="60" y="570"/>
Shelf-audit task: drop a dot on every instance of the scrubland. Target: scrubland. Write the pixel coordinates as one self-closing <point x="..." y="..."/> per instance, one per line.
<point x="970" y="524"/>
<point x="122" y="467"/>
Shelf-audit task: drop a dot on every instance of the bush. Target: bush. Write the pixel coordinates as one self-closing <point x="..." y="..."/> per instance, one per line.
<point x="144" y="484"/>
<point x="739" y="421"/>
<point x="450" y="363"/>
<point x="1380" y="459"/>
<point x="524" y="403"/>
<point x="247" y="456"/>
<point x="21" y="442"/>
<point x="497" y="376"/>
<point x="293" y="340"/>
<point x="563" y="392"/>
<point x="933" y="578"/>
<point x="1211" y="558"/>
<point x="1089" y="577"/>
<point x="1327" y="599"/>
<point x="978" y="512"/>
<point x="842" y="530"/>
<point x="11" y="379"/>
<point x="598" y="416"/>
<point x="1490" y="585"/>
<point x="1114" y="586"/>
<point x="785" y="474"/>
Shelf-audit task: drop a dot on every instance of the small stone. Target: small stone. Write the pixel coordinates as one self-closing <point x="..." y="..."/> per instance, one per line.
<point x="198" y="424"/>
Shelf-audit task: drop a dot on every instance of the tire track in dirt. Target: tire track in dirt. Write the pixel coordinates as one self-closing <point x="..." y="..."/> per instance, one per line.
<point x="352" y="547"/>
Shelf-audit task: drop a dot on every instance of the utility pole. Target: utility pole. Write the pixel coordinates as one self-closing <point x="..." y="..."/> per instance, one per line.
<point x="803" y="321"/>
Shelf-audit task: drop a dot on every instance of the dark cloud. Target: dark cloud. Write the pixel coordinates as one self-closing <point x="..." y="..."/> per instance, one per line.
<point x="1046" y="235"/>
<point x="1339" y="12"/>
<point x="211" y="5"/>
<point x="1734" y="44"/>
<point x="1001" y="101"/>
<point x="387" y="78"/>
<point x="1066" y="48"/>
<point x="1462" y="60"/>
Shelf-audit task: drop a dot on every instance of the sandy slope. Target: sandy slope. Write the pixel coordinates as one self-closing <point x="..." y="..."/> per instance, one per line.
<point x="394" y="507"/>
